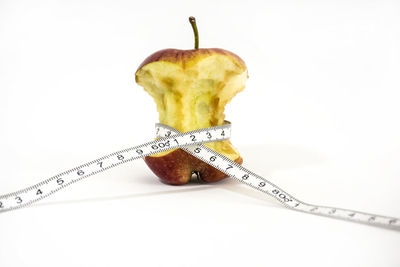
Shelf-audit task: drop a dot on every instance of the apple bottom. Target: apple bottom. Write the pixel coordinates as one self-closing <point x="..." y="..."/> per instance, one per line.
<point x="177" y="167"/>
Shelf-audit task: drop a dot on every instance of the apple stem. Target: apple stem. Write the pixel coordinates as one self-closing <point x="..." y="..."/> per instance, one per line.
<point x="192" y="21"/>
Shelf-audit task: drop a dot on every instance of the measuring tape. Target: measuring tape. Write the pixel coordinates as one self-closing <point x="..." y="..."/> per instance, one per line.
<point x="191" y="142"/>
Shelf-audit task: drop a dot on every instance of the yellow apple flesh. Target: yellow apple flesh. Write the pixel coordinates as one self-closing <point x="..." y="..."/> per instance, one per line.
<point x="191" y="89"/>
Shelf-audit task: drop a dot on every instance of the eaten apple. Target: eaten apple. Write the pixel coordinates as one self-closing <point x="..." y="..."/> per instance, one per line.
<point x="191" y="89"/>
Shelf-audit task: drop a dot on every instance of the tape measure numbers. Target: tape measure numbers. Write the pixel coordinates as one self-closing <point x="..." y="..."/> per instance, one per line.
<point x="27" y="196"/>
<point x="191" y="142"/>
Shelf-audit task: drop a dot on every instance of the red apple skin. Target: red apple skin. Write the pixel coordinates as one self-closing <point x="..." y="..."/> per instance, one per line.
<point x="176" y="168"/>
<point x="188" y="57"/>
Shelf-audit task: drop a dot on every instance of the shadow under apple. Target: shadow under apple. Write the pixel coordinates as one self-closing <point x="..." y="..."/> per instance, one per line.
<point x="264" y="160"/>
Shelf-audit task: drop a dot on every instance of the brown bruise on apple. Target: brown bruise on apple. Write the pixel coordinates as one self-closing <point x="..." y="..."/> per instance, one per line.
<point x="191" y="89"/>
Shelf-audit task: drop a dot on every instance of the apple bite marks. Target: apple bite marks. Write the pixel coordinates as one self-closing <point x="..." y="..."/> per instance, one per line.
<point x="192" y="94"/>
<point x="191" y="89"/>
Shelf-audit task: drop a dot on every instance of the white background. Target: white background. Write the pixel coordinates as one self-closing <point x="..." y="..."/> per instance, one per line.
<point x="320" y="116"/>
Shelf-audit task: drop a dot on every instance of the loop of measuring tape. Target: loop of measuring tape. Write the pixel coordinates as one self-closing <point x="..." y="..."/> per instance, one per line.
<point x="191" y="142"/>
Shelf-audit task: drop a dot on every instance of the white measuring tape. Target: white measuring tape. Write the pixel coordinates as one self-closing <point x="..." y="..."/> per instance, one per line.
<point x="191" y="142"/>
